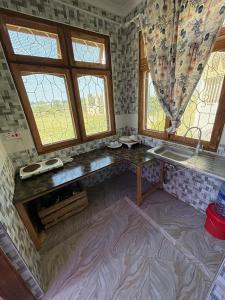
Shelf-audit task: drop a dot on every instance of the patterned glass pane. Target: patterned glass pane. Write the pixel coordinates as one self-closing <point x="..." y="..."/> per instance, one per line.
<point x="202" y="108"/>
<point x="88" y="51"/>
<point x="154" y="114"/>
<point x="27" y="41"/>
<point x="49" y="100"/>
<point x="93" y="96"/>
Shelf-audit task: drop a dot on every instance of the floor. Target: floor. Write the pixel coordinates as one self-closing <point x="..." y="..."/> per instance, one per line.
<point x="115" y="250"/>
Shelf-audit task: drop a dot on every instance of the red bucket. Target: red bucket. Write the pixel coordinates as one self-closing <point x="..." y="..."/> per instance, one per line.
<point x="215" y="224"/>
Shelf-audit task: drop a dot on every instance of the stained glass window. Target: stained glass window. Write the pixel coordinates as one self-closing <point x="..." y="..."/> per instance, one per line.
<point x="205" y="109"/>
<point x="27" y="41"/>
<point x="88" y="51"/>
<point x="202" y="108"/>
<point x="63" y="77"/>
<point x="50" y="104"/>
<point x="93" y="97"/>
<point x="154" y="114"/>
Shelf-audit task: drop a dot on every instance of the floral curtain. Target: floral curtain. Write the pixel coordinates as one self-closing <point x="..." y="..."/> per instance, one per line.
<point x="179" y="36"/>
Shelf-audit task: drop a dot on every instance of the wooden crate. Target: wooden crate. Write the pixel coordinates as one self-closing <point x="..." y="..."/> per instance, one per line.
<point x="64" y="209"/>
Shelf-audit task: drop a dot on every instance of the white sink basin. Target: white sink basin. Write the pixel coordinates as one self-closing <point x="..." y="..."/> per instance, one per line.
<point x="172" y="152"/>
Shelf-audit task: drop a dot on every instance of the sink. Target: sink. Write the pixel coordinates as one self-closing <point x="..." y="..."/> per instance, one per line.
<point x="174" y="153"/>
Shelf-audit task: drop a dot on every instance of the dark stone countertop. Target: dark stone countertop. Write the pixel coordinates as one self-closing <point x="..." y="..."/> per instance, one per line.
<point x="82" y="166"/>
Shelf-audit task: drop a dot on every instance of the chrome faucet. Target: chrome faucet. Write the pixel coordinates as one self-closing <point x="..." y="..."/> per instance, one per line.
<point x="199" y="146"/>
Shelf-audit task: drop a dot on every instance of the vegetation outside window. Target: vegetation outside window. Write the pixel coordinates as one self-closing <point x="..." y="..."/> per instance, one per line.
<point x="63" y="77"/>
<point x="204" y="110"/>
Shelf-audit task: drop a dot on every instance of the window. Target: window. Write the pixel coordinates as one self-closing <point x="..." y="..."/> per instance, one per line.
<point x="63" y="77"/>
<point x="154" y="115"/>
<point x="205" y="109"/>
<point x="88" y="50"/>
<point x="94" y="95"/>
<point x="28" y="41"/>
<point x="203" y="106"/>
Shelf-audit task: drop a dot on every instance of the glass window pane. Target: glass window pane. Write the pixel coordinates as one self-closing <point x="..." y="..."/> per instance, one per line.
<point x="49" y="100"/>
<point x="88" y="51"/>
<point x="94" y="103"/>
<point x="202" y="108"/>
<point x="27" y="41"/>
<point x="154" y="114"/>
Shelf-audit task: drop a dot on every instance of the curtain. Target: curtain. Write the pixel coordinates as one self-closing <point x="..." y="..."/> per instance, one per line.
<point x="179" y="36"/>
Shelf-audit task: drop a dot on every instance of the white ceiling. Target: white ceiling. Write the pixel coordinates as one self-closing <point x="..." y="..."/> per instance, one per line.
<point x="118" y="7"/>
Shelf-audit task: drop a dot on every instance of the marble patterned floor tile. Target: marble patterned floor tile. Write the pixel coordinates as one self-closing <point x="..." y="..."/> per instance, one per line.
<point x="205" y="248"/>
<point x="142" y="239"/>
<point x="124" y="231"/>
<point x="100" y="197"/>
<point x="172" y="213"/>
<point x="108" y="225"/>
<point x="186" y="226"/>
<point x="120" y="277"/>
<point x="105" y="262"/>
<point x="110" y="236"/>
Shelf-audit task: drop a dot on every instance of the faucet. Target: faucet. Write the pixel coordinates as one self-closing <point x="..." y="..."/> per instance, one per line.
<point x="199" y="146"/>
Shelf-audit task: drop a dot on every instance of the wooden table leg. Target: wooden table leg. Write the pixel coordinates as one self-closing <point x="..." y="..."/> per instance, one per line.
<point x="34" y="235"/>
<point x="154" y="187"/>
<point x="139" y="185"/>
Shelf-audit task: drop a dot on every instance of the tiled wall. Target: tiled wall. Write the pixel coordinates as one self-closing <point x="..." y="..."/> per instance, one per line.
<point x="11" y="113"/>
<point x="19" y="263"/>
<point x="14" y="238"/>
<point x="131" y="50"/>
<point x="190" y="186"/>
<point x="124" y="47"/>
<point x="14" y="235"/>
<point x="104" y="174"/>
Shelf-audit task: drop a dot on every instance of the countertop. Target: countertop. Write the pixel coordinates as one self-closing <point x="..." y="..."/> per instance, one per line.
<point x="204" y="162"/>
<point x="88" y="163"/>
<point x="83" y="165"/>
<point x="209" y="164"/>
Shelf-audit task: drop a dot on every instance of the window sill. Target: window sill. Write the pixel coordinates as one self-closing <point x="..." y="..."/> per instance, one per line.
<point x="177" y="140"/>
<point x="73" y="143"/>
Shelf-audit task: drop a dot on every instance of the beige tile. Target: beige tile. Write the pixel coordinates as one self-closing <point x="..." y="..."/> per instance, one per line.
<point x="113" y="250"/>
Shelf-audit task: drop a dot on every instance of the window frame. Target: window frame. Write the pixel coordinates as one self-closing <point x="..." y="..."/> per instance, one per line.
<point x="110" y="119"/>
<point x="66" y="65"/>
<point x="219" y="123"/>
<point x="143" y="69"/>
<point x="18" y="69"/>
<point x="80" y="34"/>
<point x="24" y="22"/>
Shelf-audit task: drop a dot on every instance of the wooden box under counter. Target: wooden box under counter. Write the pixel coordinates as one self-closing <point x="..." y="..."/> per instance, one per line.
<point x="63" y="209"/>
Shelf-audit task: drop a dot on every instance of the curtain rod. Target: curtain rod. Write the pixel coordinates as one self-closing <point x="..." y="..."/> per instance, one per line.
<point x="88" y="12"/>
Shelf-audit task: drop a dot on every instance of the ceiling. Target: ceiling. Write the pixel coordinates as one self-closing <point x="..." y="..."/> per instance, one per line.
<point x="118" y="7"/>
